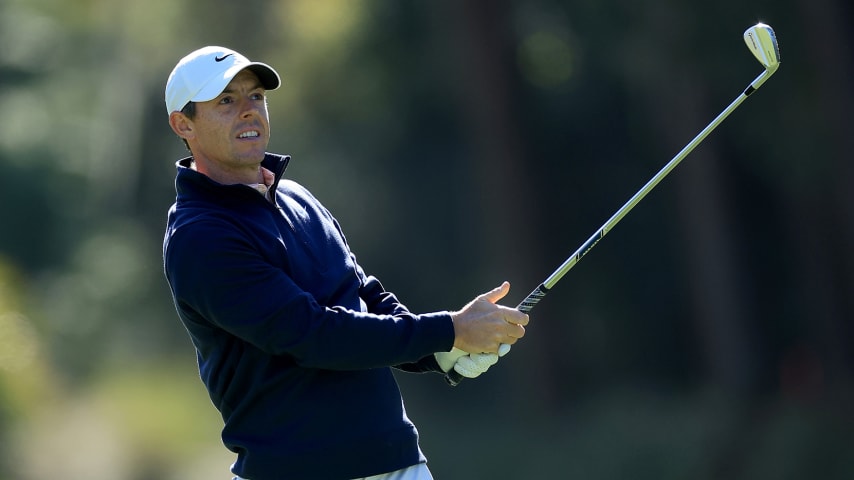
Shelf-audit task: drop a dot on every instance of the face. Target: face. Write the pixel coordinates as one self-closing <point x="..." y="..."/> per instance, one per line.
<point x="229" y="135"/>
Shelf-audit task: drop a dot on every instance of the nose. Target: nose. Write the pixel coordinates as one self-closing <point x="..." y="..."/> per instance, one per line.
<point x="249" y="107"/>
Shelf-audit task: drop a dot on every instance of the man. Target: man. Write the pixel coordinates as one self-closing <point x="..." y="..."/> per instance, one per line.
<point x="294" y="341"/>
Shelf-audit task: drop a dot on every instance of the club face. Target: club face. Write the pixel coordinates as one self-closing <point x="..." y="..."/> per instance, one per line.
<point x="762" y="41"/>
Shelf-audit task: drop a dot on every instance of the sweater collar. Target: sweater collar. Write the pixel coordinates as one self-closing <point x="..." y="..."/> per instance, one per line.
<point x="277" y="164"/>
<point x="272" y="161"/>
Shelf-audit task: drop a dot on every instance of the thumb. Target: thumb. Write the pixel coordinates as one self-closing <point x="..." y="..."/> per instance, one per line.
<point x="496" y="293"/>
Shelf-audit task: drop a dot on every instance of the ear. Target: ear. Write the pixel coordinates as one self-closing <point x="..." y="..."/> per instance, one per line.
<point x="181" y="125"/>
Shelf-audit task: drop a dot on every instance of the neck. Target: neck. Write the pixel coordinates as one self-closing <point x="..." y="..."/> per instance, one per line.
<point x="258" y="176"/>
<point x="250" y="174"/>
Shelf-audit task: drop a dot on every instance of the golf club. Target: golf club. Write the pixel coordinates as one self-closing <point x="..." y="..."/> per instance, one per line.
<point x="762" y="42"/>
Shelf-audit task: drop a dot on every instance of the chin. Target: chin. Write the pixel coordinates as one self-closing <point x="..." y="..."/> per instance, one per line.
<point x="256" y="155"/>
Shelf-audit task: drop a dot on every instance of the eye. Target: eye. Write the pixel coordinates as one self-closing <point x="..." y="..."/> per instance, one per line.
<point x="225" y="100"/>
<point x="258" y="96"/>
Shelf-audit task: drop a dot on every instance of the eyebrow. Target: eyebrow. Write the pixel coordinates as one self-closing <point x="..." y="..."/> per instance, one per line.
<point x="229" y="89"/>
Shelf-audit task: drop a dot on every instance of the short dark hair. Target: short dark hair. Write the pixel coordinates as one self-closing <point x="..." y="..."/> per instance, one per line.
<point x="189" y="111"/>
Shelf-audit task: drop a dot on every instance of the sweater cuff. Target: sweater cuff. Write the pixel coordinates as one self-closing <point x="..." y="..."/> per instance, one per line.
<point x="443" y="327"/>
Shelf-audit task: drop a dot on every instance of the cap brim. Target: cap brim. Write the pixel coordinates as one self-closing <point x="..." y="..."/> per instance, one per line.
<point x="270" y="80"/>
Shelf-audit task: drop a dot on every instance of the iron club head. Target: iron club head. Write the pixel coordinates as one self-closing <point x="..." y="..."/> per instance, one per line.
<point x="762" y="41"/>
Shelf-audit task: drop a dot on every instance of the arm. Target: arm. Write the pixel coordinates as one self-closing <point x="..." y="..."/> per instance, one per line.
<point x="468" y="325"/>
<point x="379" y="301"/>
<point x="231" y="286"/>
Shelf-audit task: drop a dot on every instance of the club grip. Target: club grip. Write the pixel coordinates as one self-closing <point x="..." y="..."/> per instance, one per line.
<point x="532" y="299"/>
<point x="453" y="378"/>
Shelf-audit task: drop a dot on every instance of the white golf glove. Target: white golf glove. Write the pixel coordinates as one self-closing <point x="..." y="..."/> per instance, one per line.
<point x="469" y="365"/>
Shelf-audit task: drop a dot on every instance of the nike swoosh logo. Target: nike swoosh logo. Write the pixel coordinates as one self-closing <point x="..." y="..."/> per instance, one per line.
<point x="219" y="59"/>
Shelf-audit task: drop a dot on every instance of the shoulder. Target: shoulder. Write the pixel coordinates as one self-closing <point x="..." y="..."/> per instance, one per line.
<point x="295" y="189"/>
<point x="295" y="192"/>
<point x="182" y="216"/>
<point x="196" y="231"/>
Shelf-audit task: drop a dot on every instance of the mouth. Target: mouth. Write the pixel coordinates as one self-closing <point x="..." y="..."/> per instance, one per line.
<point x="249" y="135"/>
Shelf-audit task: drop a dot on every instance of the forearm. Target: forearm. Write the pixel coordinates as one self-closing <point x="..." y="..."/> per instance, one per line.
<point x="424" y="365"/>
<point x="244" y="295"/>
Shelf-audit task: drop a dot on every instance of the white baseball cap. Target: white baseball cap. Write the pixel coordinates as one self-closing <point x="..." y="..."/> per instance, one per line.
<point x="204" y="74"/>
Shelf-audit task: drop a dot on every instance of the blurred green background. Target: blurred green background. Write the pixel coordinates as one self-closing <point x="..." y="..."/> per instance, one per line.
<point x="459" y="143"/>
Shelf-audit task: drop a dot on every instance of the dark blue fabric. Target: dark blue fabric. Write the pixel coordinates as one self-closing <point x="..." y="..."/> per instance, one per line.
<point x="294" y="341"/>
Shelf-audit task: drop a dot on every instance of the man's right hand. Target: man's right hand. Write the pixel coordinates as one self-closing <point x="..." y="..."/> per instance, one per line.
<point x="483" y="325"/>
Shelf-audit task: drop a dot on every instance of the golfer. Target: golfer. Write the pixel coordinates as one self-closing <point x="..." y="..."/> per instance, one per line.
<point x="295" y="342"/>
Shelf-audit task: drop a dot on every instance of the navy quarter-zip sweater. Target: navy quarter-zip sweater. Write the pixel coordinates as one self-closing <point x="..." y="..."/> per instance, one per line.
<point x="294" y="341"/>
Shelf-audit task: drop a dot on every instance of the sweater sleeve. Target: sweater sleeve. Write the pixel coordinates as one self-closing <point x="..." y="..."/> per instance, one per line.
<point x="228" y="284"/>
<point x="380" y="301"/>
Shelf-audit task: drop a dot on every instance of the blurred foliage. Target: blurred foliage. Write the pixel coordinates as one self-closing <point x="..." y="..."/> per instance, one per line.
<point x="459" y="143"/>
